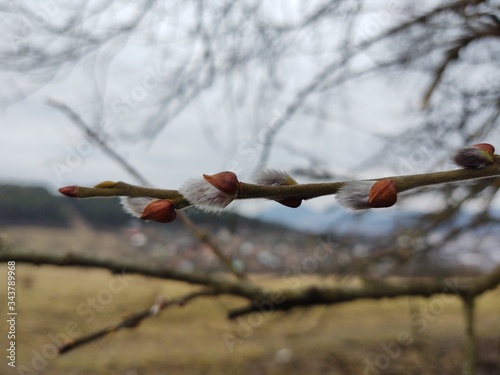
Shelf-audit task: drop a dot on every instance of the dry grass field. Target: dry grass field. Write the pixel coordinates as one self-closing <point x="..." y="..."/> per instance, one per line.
<point x="400" y="336"/>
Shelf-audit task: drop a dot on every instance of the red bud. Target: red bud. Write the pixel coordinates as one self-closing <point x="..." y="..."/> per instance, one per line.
<point x="226" y="181"/>
<point x="162" y="211"/>
<point x="69" y="191"/>
<point x="485" y="147"/>
<point x="475" y="156"/>
<point x="383" y="194"/>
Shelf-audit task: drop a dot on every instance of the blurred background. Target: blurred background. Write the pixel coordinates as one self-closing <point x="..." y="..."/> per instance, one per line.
<point x="155" y="92"/>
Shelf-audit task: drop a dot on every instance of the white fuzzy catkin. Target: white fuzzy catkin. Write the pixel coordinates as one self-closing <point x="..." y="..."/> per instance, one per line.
<point x="204" y="195"/>
<point x="135" y="206"/>
<point x="273" y="177"/>
<point x="354" y="195"/>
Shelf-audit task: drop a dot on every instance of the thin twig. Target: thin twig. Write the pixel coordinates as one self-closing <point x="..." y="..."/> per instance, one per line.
<point x="209" y="240"/>
<point x="470" y="347"/>
<point x="452" y="54"/>
<point x="78" y="121"/>
<point x="304" y="191"/>
<point x="133" y="320"/>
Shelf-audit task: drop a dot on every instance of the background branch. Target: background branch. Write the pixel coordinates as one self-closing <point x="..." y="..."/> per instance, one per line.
<point x="276" y="300"/>
<point x="132" y="320"/>
<point x="93" y="136"/>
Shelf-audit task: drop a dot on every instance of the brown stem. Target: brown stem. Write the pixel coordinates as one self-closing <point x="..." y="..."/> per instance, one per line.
<point x="403" y="183"/>
<point x="304" y="191"/>
<point x="127" y="190"/>
<point x="408" y="182"/>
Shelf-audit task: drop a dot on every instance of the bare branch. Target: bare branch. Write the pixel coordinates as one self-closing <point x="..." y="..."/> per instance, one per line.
<point x="304" y="191"/>
<point x="275" y="300"/>
<point x="101" y="143"/>
<point x="219" y="283"/>
<point x="451" y="55"/>
<point x="320" y="295"/>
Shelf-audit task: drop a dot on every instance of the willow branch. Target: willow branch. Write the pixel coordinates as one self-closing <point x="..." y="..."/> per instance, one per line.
<point x="403" y="183"/>
<point x="127" y="190"/>
<point x="303" y="191"/>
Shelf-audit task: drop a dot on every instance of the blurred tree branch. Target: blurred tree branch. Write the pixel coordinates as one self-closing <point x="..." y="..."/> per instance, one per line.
<point x="274" y="300"/>
<point x="94" y="137"/>
<point x="133" y="320"/>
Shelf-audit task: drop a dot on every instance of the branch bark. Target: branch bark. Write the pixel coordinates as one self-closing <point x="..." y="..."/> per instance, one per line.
<point x="303" y="191"/>
<point x="266" y="300"/>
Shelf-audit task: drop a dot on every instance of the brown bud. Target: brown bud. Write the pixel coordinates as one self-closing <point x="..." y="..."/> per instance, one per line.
<point x="69" y="191"/>
<point x="162" y="211"/>
<point x="383" y="194"/>
<point x="226" y="181"/>
<point x="292" y="202"/>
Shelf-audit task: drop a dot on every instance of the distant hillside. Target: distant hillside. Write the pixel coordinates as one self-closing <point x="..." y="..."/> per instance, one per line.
<point x="26" y="205"/>
<point x="339" y="220"/>
<point x="370" y="223"/>
<point x="30" y="206"/>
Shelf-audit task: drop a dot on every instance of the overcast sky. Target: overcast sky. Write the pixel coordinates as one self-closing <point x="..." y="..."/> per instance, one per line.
<point x="39" y="145"/>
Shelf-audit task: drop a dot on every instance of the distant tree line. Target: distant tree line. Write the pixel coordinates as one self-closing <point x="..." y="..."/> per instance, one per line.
<point x="30" y="205"/>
